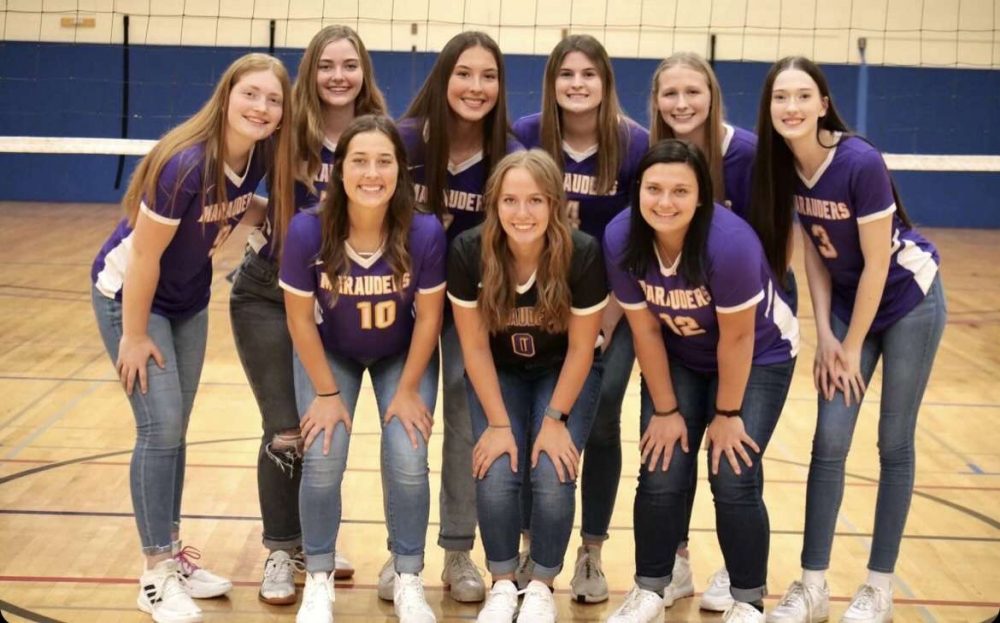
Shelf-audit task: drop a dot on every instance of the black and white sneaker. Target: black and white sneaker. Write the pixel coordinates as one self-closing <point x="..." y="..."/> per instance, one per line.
<point x="162" y="595"/>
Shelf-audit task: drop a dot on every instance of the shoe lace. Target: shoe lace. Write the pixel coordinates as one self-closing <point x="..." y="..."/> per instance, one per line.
<point x="865" y="598"/>
<point x="280" y="569"/>
<point x="795" y="595"/>
<point x="633" y="602"/>
<point x="185" y="560"/>
<point x="500" y="600"/>
<point x="172" y="586"/>
<point x="411" y="593"/>
<point x="536" y="601"/>
<point x="739" y="612"/>
<point x="315" y="595"/>
<point x="460" y="567"/>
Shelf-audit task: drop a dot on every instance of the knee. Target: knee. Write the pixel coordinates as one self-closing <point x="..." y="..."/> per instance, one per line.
<point x="164" y="432"/>
<point x="406" y="464"/>
<point x="831" y="445"/>
<point x="607" y="429"/>
<point x="728" y="487"/>
<point x="500" y="482"/>
<point x="895" y="451"/>
<point x="545" y="479"/>
<point x="325" y="470"/>
<point x="659" y="483"/>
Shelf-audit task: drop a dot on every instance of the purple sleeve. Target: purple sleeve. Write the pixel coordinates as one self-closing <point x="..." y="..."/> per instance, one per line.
<point x="734" y="267"/>
<point x="177" y="188"/>
<point x="298" y="259"/>
<point x="624" y="285"/>
<point x="871" y="192"/>
<point x="526" y="130"/>
<point x="432" y="269"/>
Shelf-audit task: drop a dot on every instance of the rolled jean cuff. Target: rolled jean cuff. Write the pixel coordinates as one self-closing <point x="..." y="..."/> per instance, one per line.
<point x="543" y="572"/>
<point x="502" y="567"/>
<point x="410" y="563"/>
<point x="316" y="563"/>
<point x="156" y="550"/>
<point x="282" y="544"/>
<point x="748" y="595"/>
<point x="593" y="537"/>
<point x="656" y="585"/>
<point x="456" y="543"/>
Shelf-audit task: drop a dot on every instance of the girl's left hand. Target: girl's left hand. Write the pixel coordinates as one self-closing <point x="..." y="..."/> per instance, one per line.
<point x="727" y="435"/>
<point x="848" y="371"/>
<point x="412" y="413"/>
<point x="554" y="439"/>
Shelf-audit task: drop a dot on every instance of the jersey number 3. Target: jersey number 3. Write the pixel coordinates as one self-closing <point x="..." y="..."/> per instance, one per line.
<point x="823" y="243"/>
<point x="380" y="315"/>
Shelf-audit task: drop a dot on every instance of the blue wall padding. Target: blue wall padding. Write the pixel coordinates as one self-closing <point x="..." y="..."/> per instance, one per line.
<point x="51" y="89"/>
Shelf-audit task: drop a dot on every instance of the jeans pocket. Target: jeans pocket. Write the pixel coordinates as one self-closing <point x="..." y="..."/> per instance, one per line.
<point x="258" y="276"/>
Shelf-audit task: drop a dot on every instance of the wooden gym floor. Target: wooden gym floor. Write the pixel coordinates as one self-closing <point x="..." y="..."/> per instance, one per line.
<point x="70" y="551"/>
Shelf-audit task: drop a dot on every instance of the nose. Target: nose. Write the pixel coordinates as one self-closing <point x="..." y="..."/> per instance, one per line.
<point x="681" y="101"/>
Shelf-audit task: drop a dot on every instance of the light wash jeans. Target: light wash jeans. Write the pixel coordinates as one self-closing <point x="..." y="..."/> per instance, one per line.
<point x="907" y="350"/>
<point x="156" y="472"/>
<point x="404" y="469"/>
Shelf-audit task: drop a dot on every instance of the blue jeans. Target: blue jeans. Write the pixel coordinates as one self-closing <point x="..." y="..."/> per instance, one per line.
<point x="458" y="488"/>
<point x="498" y="494"/>
<point x="907" y="350"/>
<point x="260" y="330"/>
<point x="741" y="521"/>
<point x="404" y="469"/>
<point x="156" y="472"/>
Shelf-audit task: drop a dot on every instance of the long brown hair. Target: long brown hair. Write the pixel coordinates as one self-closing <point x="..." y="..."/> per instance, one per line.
<point x="208" y="126"/>
<point x="431" y="106"/>
<point x="307" y="106"/>
<point x="610" y="119"/>
<point x="498" y="295"/>
<point x="336" y="224"/>
<point x="659" y="129"/>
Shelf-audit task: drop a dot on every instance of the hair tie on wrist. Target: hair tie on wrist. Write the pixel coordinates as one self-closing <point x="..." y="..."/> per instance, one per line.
<point x="330" y="395"/>
<point x="666" y="413"/>
<point x="730" y="413"/>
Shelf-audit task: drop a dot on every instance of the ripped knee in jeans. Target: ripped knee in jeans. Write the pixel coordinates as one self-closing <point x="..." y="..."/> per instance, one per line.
<point x="285" y="450"/>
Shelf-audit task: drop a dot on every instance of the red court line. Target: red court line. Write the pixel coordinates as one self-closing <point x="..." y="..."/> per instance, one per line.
<point x="357" y="586"/>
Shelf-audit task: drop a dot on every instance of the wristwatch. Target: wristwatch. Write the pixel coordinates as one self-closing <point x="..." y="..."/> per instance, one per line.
<point x="556" y="415"/>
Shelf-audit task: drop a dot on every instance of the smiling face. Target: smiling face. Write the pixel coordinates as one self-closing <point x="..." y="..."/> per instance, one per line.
<point x="255" y="107"/>
<point x="523" y="209"/>
<point x="578" y="84"/>
<point x="339" y="74"/>
<point x="796" y="105"/>
<point x="668" y="198"/>
<point x="474" y="84"/>
<point x="370" y="170"/>
<point x="684" y="99"/>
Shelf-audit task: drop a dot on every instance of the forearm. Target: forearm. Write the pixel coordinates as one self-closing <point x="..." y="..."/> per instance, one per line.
<point x="482" y="374"/>
<point x="866" y="302"/>
<point x="576" y="366"/>
<point x="651" y="353"/>
<point x="138" y="289"/>
<point x="309" y="348"/>
<point x="820" y="288"/>
<point x="735" y="356"/>
<point x="256" y="213"/>
<point x="426" y="331"/>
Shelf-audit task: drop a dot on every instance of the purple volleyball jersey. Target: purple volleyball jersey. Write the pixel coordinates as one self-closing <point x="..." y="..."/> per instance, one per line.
<point x="594" y="210"/>
<point x="739" y="147"/>
<point x="466" y="181"/>
<point x="371" y="318"/>
<point x="849" y="189"/>
<point x="737" y="277"/>
<point x="186" y="263"/>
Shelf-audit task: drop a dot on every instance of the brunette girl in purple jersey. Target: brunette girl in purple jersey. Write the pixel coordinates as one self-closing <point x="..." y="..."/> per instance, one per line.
<point x="876" y="293"/>
<point x="582" y="126"/>
<point x="152" y="283"/>
<point x="364" y="290"/>
<point x="716" y="342"/>
<point x="335" y="83"/>
<point x="455" y="131"/>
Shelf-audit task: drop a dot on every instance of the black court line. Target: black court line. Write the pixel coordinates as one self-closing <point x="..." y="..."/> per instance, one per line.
<point x="24" y="614"/>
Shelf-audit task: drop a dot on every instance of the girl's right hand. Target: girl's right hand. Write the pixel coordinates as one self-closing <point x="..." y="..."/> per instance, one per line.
<point x="660" y="439"/>
<point x="826" y="366"/>
<point x="493" y="443"/>
<point x="322" y="417"/>
<point x="133" y="356"/>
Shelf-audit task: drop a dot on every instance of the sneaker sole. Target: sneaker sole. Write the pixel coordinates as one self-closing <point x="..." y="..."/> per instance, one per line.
<point x="209" y="593"/>
<point x="589" y="599"/>
<point x="287" y="600"/>
<point x="464" y="598"/>
<point x="195" y="618"/>
<point x="343" y="574"/>
<point x="713" y="605"/>
<point x="668" y="602"/>
<point x="387" y="593"/>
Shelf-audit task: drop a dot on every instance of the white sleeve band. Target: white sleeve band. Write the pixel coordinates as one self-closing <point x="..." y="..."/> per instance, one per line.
<point x="757" y="298"/>
<point x="156" y="216"/>
<point x="876" y="216"/>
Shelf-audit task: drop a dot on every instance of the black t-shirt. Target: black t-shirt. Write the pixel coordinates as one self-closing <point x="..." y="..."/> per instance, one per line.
<point x="523" y="344"/>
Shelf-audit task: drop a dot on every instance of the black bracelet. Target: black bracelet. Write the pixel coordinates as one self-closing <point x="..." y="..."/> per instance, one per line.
<point x="732" y="413"/>
<point x="330" y="395"/>
<point x="666" y="413"/>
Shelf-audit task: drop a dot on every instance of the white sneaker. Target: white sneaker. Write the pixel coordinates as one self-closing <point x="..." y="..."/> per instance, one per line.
<point x="387" y="579"/>
<point x="161" y="595"/>
<point x="870" y="605"/>
<point x="525" y="569"/>
<point x="461" y="578"/>
<point x="588" y="586"/>
<point x="681" y="582"/>
<point x="538" y="605"/>
<point x="317" y="599"/>
<point x="741" y="612"/>
<point x="717" y="597"/>
<point x="409" y="601"/>
<point x="343" y="569"/>
<point x="802" y="603"/>
<point x="501" y="604"/>
<point x="278" y="585"/>
<point x="640" y="606"/>
<point x="197" y="582"/>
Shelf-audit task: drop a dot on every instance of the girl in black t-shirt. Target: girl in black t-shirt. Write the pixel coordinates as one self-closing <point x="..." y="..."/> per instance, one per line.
<point x="527" y="293"/>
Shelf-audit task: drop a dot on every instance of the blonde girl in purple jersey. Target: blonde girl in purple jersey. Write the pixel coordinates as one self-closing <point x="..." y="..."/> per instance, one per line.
<point x="335" y="83"/>
<point x="151" y="288"/>
<point x="876" y="294"/>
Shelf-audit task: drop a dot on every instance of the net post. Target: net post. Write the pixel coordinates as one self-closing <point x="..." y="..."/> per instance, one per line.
<point x="711" y="50"/>
<point x="270" y="43"/>
<point x="862" y="104"/>
<point x="125" y="88"/>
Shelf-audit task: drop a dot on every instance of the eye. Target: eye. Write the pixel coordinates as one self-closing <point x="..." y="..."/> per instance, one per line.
<point x="778" y="97"/>
<point x="668" y="93"/>
<point x="490" y="76"/>
<point x="681" y="192"/>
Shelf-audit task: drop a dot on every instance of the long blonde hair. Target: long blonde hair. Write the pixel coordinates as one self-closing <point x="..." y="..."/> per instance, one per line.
<point x="498" y="295"/>
<point x="659" y="129"/>
<point x="610" y="120"/>
<point x="208" y="126"/>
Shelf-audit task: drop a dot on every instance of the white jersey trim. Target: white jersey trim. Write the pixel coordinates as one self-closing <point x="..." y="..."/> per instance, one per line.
<point x="456" y="168"/>
<point x="728" y="138"/>
<point x="361" y="260"/>
<point x="330" y="145"/>
<point x="919" y="262"/>
<point x="811" y="182"/>
<point x="156" y="216"/>
<point x="524" y="287"/>
<point x="461" y="303"/>
<point x="110" y="280"/>
<point x="433" y="289"/>
<point x="881" y="214"/>
<point x="590" y="310"/>
<point x="633" y="306"/>
<point x="236" y="178"/>
<point x="289" y="288"/>
<point x="756" y="298"/>
<point x="784" y="319"/>
<point x="667" y="271"/>
<point x="579" y="156"/>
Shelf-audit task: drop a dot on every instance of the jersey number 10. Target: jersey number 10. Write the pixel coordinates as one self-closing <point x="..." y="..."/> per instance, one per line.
<point x="379" y="315"/>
